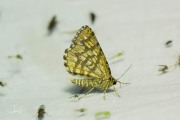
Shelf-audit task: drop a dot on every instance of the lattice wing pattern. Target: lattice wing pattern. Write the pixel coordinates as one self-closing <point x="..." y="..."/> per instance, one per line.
<point x="85" y="56"/>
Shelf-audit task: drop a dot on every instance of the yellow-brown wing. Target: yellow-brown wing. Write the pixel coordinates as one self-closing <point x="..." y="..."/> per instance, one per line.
<point x="85" y="56"/>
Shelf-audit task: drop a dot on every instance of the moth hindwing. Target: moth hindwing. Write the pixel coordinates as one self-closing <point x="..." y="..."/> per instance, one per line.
<point x="85" y="57"/>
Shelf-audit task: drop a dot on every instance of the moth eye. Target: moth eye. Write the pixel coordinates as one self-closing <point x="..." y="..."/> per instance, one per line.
<point x="114" y="82"/>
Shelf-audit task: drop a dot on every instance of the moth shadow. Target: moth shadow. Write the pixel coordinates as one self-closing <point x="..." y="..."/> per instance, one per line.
<point x="74" y="89"/>
<point x="2" y="94"/>
<point x="82" y="90"/>
<point x="101" y="91"/>
<point x="163" y="73"/>
<point x="116" y="61"/>
<point x="40" y="118"/>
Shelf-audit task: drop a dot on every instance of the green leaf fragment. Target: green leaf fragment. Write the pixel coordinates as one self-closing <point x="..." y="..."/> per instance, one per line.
<point x="117" y="55"/>
<point x="102" y="115"/>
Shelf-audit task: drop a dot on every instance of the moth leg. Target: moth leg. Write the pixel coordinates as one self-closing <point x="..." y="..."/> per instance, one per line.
<point x="86" y="93"/>
<point x="104" y="96"/>
<point x="74" y="96"/>
<point x="77" y="95"/>
<point x="116" y="91"/>
<point x="177" y="63"/>
<point x="82" y="90"/>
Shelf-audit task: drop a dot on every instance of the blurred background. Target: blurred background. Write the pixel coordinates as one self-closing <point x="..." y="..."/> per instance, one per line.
<point x="35" y="33"/>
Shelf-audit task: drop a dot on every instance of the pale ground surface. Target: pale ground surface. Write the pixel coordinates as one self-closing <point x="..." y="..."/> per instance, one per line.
<point x="138" y="27"/>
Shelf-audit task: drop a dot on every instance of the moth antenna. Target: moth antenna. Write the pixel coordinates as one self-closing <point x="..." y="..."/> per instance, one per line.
<point x="123" y="75"/>
<point x="125" y="72"/>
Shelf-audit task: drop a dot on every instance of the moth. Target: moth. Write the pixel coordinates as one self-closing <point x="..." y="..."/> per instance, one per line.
<point x="86" y="58"/>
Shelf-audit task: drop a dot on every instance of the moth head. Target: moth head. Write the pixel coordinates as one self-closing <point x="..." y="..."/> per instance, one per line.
<point x="114" y="83"/>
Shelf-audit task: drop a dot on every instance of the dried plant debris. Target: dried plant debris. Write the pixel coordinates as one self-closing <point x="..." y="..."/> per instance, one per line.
<point x="117" y="55"/>
<point x="2" y="84"/>
<point x="177" y="62"/>
<point x="92" y="17"/>
<point x="163" y="68"/>
<point x="102" y="115"/>
<point x="81" y="110"/>
<point x="41" y="112"/>
<point x="168" y="43"/>
<point x="52" y="24"/>
<point x="17" y="56"/>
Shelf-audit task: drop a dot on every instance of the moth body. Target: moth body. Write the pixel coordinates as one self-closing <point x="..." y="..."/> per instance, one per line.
<point x="98" y="83"/>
